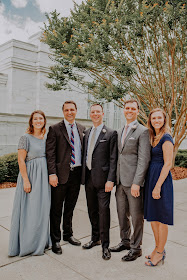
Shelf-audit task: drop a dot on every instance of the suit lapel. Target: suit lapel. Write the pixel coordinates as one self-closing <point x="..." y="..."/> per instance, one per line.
<point x="80" y="134"/>
<point x="129" y="134"/>
<point x="101" y="135"/>
<point x="119" y="138"/>
<point x="86" y="138"/>
<point x="64" y="131"/>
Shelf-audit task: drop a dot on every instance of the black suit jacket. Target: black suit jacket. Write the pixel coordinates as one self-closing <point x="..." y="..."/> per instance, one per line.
<point x="58" y="150"/>
<point x="104" y="157"/>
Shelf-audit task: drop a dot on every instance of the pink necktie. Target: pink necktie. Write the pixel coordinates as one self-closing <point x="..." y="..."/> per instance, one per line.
<point x="124" y="135"/>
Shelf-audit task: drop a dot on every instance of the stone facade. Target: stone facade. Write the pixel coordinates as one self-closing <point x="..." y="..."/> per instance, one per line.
<point x="12" y="126"/>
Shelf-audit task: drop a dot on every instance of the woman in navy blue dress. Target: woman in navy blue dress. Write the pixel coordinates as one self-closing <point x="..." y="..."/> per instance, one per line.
<point x="158" y="204"/>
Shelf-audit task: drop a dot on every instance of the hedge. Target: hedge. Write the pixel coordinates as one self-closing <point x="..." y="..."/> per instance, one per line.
<point x="9" y="165"/>
<point x="9" y="168"/>
<point x="181" y="158"/>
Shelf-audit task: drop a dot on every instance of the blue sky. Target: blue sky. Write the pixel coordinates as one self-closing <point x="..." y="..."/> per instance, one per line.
<point x="30" y="10"/>
<point x="19" y="19"/>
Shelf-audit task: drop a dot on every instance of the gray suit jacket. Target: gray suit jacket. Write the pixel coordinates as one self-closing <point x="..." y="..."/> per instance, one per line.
<point x="134" y="156"/>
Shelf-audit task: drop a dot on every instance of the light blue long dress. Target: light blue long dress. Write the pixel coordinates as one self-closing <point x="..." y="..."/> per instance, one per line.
<point x="29" y="233"/>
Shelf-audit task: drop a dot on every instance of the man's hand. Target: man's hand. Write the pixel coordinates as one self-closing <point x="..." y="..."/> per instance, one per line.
<point x="109" y="186"/>
<point x="53" y="180"/>
<point x="135" y="190"/>
<point x="27" y="186"/>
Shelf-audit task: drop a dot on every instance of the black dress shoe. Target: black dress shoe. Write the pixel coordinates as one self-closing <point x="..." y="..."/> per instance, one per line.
<point x="132" y="256"/>
<point x="106" y="254"/>
<point x="56" y="248"/>
<point x="72" y="240"/>
<point x="120" y="247"/>
<point x="91" y="244"/>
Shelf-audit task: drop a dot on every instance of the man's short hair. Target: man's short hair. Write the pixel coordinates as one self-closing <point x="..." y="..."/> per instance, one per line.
<point x="132" y="101"/>
<point x="95" y="104"/>
<point x="69" y="102"/>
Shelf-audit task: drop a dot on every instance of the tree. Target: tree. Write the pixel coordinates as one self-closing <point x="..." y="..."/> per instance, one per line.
<point x="125" y="47"/>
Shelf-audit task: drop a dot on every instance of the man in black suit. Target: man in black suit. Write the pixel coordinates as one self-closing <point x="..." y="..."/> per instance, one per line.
<point x="99" y="175"/>
<point x="64" y="159"/>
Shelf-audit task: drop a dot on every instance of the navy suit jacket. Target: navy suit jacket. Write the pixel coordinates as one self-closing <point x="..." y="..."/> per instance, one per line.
<point x="104" y="157"/>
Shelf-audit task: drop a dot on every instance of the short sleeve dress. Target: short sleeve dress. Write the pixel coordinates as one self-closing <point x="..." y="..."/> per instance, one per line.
<point x="29" y="233"/>
<point x="160" y="210"/>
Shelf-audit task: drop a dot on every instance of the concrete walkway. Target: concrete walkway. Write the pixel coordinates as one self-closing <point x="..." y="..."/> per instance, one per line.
<point x="78" y="264"/>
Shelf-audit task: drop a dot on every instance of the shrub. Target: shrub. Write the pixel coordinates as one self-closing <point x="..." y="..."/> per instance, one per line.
<point x="9" y="168"/>
<point x="181" y="158"/>
<point x="3" y="170"/>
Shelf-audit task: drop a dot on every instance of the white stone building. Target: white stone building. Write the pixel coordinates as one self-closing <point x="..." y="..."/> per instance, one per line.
<point x="23" y="73"/>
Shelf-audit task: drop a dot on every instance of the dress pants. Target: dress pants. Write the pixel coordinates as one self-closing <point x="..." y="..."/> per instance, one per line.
<point x="98" y="202"/>
<point x="64" y="196"/>
<point x="127" y="206"/>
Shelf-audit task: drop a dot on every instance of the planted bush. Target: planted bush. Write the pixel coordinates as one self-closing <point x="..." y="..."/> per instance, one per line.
<point x="9" y="168"/>
<point x="3" y="170"/>
<point x="181" y="158"/>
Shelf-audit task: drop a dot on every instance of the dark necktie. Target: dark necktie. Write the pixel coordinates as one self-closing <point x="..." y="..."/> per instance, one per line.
<point x="72" y="146"/>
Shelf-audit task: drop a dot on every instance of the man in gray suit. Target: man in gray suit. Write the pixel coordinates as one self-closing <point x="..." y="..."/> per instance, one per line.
<point x="133" y="161"/>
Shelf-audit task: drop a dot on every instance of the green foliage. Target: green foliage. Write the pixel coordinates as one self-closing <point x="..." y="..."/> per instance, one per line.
<point x="9" y="168"/>
<point x="115" y="48"/>
<point x="3" y="170"/>
<point x="181" y="158"/>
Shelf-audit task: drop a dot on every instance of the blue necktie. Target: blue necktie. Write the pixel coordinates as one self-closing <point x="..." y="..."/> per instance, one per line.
<point x="72" y="146"/>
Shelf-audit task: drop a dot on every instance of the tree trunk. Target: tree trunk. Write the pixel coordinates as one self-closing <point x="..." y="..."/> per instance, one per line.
<point x="174" y="155"/>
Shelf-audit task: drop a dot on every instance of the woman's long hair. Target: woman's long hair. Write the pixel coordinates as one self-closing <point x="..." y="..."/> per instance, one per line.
<point x="30" y="128"/>
<point x="154" y="139"/>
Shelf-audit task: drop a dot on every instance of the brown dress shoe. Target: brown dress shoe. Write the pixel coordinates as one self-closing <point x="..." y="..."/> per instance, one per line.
<point x="91" y="244"/>
<point x="72" y="240"/>
<point x="132" y="256"/>
<point x="120" y="247"/>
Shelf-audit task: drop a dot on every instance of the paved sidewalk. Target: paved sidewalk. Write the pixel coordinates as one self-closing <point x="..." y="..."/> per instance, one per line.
<point x="78" y="264"/>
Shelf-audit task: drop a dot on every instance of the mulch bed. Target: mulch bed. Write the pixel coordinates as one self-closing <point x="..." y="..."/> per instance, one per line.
<point x="177" y="174"/>
<point x="7" y="185"/>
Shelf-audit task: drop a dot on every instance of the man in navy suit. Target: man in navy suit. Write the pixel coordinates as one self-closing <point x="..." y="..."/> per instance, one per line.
<point x="99" y="175"/>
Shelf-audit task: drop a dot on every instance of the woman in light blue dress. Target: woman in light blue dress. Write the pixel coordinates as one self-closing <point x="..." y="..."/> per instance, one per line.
<point x="29" y="233"/>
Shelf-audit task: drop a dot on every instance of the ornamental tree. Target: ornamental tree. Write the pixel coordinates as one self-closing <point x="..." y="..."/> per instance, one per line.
<point x="115" y="48"/>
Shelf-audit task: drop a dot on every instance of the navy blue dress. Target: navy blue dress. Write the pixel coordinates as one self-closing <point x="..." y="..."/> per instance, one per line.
<point x="160" y="210"/>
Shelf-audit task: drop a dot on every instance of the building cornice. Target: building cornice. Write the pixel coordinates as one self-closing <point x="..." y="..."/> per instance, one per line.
<point x="20" y="118"/>
<point x="24" y="65"/>
<point x="19" y="44"/>
<point x="3" y="79"/>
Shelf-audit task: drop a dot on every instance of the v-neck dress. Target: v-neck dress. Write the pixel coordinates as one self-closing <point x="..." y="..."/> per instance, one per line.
<point x="29" y="232"/>
<point x="160" y="210"/>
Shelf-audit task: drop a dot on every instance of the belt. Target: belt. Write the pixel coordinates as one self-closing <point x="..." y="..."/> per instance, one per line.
<point x="74" y="168"/>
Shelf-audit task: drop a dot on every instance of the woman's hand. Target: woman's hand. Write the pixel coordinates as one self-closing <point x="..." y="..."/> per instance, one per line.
<point x="27" y="187"/>
<point x="23" y="170"/>
<point x="156" y="192"/>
